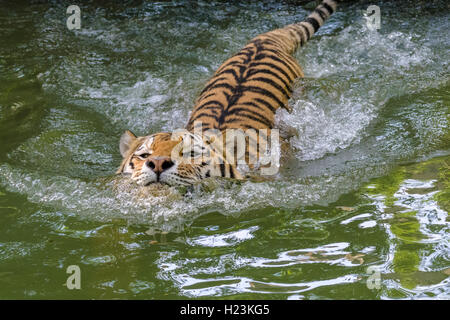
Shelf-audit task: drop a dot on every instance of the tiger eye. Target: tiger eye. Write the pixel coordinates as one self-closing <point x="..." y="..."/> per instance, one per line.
<point x="144" y="155"/>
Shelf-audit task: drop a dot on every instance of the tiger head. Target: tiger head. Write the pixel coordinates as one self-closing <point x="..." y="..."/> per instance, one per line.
<point x="180" y="158"/>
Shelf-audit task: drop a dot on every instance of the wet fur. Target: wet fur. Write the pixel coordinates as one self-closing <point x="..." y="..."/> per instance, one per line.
<point x="244" y="93"/>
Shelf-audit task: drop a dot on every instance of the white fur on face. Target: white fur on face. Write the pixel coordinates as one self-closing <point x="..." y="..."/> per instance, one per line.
<point x="169" y="176"/>
<point x="195" y="147"/>
<point x="145" y="147"/>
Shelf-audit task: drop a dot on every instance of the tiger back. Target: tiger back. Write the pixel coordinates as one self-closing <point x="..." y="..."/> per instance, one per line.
<point x="247" y="89"/>
<point x="242" y="95"/>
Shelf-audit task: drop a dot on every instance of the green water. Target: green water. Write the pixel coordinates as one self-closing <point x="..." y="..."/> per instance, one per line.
<point x="367" y="185"/>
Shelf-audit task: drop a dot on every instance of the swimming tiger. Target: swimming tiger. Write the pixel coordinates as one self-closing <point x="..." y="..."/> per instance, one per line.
<point x="243" y="94"/>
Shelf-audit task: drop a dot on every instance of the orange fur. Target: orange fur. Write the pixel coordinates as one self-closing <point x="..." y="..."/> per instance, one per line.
<point x="244" y="93"/>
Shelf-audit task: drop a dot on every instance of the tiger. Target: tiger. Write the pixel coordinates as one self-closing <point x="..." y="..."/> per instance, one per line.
<point x="243" y="94"/>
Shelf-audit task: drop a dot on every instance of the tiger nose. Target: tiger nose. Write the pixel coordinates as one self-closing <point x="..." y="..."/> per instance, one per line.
<point x="159" y="164"/>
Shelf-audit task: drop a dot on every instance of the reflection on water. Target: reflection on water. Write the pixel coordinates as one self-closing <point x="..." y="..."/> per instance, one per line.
<point x="413" y="261"/>
<point x="368" y="184"/>
<point x="417" y="224"/>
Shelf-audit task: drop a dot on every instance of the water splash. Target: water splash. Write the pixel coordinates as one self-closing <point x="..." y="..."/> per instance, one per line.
<point x="350" y="126"/>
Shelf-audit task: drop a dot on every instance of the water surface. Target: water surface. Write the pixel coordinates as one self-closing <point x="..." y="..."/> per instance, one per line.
<point x="367" y="183"/>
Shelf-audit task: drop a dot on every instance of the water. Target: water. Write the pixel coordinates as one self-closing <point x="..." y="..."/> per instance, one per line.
<point x="367" y="183"/>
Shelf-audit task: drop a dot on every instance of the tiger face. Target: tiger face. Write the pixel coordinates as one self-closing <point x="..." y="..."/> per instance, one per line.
<point x="169" y="158"/>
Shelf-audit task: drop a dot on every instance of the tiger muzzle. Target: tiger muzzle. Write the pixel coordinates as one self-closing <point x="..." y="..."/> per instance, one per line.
<point x="159" y="164"/>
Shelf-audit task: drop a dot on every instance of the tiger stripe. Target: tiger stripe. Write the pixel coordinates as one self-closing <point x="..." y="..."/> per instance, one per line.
<point x="244" y="94"/>
<point x="247" y="89"/>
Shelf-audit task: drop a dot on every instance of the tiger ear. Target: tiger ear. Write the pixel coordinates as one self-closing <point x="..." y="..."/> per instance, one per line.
<point x="126" y="140"/>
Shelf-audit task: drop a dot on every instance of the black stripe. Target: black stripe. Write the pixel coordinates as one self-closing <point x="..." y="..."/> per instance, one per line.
<point x="308" y="35"/>
<point x="199" y="107"/>
<point x="223" y="85"/>
<point x="232" y="71"/>
<point x="231" y="63"/>
<point x="222" y="169"/>
<point x="275" y="40"/>
<point x="249" y="48"/>
<point x="320" y="13"/>
<point x="265" y="93"/>
<point x="300" y="34"/>
<point x="273" y="84"/>
<point x="253" y="115"/>
<point x="267" y="104"/>
<point x="248" y="117"/>
<point x="287" y="58"/>
<point x="208" y="126"/>
<point x="211" y="84"/>
<point x="203" y="114"/>
<point x="240" y="54"/>
<point x="274" y="51"/>
<point x="268" y="42"/>
<point x="328" y="8"/>
<point x="252" y="72"/>
<point x="282" y="57"/>
<point x="252" y="143"/>
<point x="252" y="104"/>
<point x="232" y="176"/>
<point x="207" y="96"/>
<point x="271" y="65"/>
<point x="197" y="172"/>
<point x="252" y="137"/>
<point x="283" y="62"/>
<point x="246" y="126"/>
<point x="293" y="36"/>
<point x="313" y="22"/>
<point x="212" y="109"/>
<point x="243" y="53"/>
